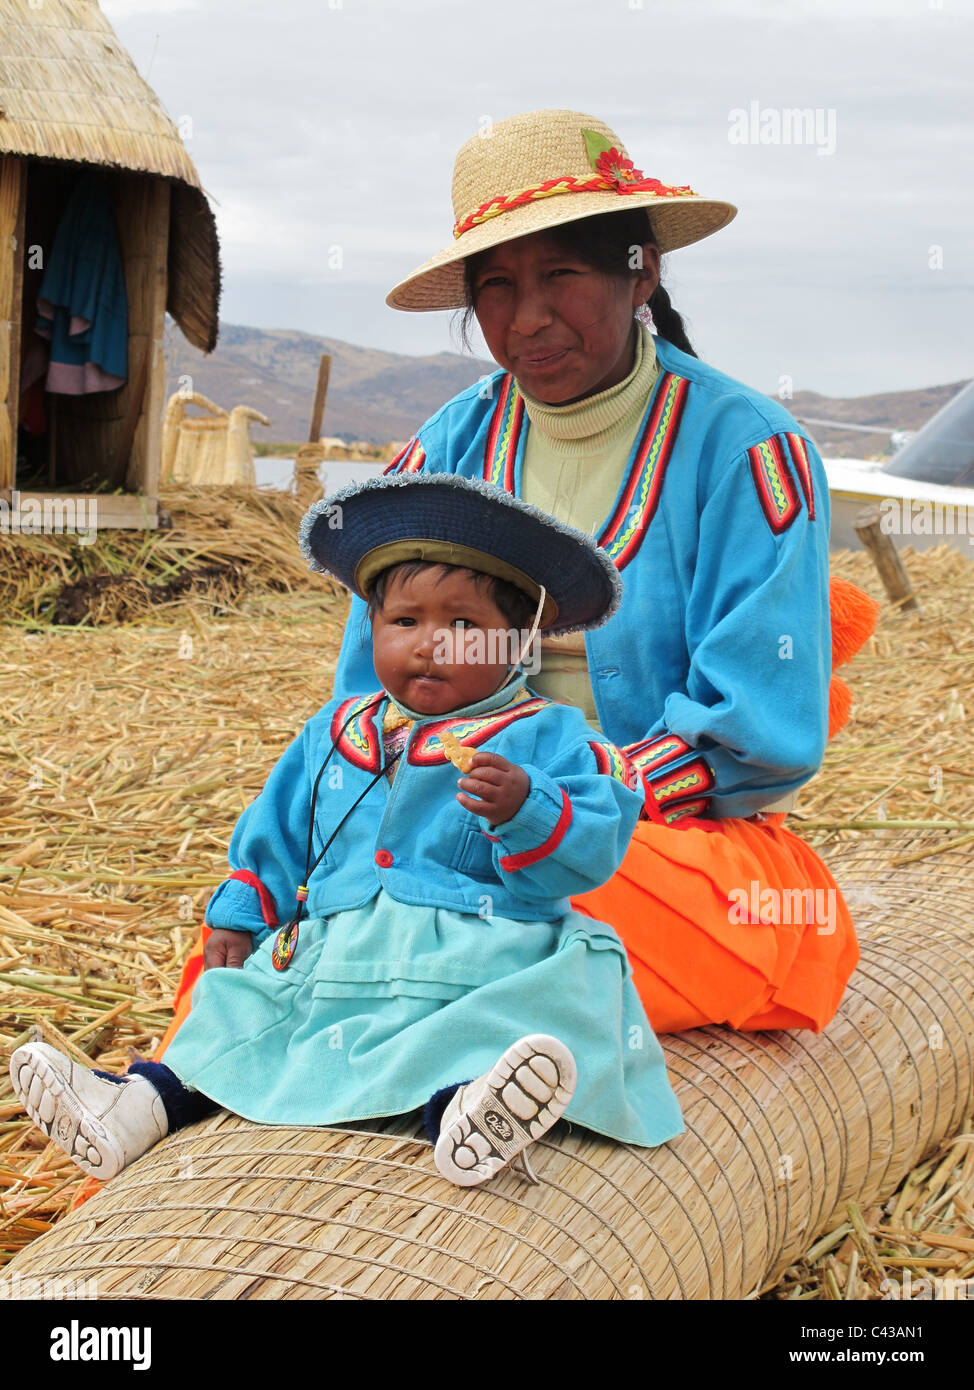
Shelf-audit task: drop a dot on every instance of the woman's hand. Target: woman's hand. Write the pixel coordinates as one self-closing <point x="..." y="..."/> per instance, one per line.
<point x="501" y="787"/>
<point x="226" y="947"/>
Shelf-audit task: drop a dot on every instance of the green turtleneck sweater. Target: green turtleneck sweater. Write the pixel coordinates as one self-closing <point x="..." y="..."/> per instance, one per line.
<point x="574" y="462"/>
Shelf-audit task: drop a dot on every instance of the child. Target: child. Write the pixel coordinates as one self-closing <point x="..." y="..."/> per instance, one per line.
<point x="438" y="940"/>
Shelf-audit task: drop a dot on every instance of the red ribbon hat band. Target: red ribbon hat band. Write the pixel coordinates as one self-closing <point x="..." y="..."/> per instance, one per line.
<point x="613" y="172"/>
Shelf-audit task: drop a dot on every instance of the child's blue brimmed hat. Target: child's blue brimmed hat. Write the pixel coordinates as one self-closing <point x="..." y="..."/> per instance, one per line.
<point x="362" y="529"/>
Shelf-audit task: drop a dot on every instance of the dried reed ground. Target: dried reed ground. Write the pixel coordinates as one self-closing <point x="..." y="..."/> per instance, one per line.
<point x="129" y="751"/>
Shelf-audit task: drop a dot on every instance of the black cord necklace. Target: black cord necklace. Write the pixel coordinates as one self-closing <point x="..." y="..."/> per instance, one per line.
<point x="287" y="938"/>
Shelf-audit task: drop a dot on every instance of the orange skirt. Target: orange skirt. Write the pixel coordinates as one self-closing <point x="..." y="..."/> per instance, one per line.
<point x="192" y="970"/>
<point x="729" y="921"/>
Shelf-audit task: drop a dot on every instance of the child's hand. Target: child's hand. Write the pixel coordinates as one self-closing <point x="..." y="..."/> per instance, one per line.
<point x="501" y="787"/>
<point x="226" y="947"/>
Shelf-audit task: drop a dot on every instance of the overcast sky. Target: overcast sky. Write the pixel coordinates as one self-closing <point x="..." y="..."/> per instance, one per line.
<point x="850" y="265"/>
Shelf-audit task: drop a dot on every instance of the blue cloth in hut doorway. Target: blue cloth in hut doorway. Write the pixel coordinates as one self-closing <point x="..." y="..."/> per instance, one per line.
<point x="82" y="305"/>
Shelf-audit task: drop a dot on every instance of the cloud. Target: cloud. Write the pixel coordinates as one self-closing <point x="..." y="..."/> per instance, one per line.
<point x="318" y="124"/>
<point x="129" y="9"/>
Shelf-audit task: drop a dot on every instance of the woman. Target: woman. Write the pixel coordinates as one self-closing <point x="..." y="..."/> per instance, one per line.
<point x="714" y="675"/>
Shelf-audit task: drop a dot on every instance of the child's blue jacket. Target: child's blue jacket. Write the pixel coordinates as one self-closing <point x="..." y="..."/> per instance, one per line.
<point x="413" y="838"/>
<point x="714" y="674"/>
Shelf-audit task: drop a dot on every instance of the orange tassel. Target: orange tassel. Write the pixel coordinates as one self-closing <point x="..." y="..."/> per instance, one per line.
<point x="854" y="618"/>
<point x="840" y="705"/>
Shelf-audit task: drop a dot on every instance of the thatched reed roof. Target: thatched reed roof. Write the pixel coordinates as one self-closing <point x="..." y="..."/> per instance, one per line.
<point x="69" y="91"/>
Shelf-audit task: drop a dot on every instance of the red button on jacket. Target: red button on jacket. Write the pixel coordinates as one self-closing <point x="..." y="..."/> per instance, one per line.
<point x="383" y="858"/>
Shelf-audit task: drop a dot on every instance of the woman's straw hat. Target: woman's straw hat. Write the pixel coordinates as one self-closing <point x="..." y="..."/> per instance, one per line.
<point x="535" y="171"/>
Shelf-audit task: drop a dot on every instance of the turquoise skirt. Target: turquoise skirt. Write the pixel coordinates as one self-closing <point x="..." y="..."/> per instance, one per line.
<point x="384" y="1004"/>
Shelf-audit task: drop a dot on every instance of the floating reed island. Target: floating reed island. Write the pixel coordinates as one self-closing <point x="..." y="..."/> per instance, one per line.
<point x="130" y="747"/>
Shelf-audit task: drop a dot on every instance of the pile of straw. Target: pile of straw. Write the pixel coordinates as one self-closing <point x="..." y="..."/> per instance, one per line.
<point x="130" y="752"/>
<point x="903" y="762"/>
<point x="924" y="1233"/>
<point x="225" y="543"/>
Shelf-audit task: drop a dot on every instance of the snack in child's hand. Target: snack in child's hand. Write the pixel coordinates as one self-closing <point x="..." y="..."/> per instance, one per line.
<point x="459" y="754"/>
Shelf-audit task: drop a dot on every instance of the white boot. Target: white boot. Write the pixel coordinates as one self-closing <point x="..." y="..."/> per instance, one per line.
<point x="103" y="1125"/>
<point x="491" y="1120"/>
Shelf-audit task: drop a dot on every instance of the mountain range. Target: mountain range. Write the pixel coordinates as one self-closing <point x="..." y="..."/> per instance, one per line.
<point x="378" y="396"/>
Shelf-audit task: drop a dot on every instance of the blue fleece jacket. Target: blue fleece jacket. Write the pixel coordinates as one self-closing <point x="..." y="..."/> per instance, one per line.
<point x="714" y="673"/>
<point x="413" y="837"/>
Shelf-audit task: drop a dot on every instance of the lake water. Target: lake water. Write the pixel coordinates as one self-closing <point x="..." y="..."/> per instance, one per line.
<point x="334" y="474"/>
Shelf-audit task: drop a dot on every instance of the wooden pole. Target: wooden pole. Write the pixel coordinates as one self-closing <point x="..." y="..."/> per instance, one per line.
<point x="886" y="558"/>
<point x="324" y="371"/>
<point x="130" y="423"/>
<point x="52" y="412"/>
<point x="13" y="211"/>
<point x="142" y="450"/>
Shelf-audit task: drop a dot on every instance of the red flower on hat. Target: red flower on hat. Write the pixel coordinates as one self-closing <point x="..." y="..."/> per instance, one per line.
<point x="616" y="169"/>
<point x="614" y="166"/>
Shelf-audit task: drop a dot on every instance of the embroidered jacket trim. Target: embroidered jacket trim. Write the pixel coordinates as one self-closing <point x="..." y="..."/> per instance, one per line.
<point x="772" y="478"/>
<point x="410" y="459"/>
<point x="653" y="753"/>
<point x="512" y="862"/>
<point x="267" y="909"/>
<point x="636" y="505"/>
<point x="686" y="811"/>
<point x="426" y="750"/>
<point x="690" y="780"/>
<point x="667" y="792"/>
<point x="799" y="457"/>
<point x="503" y="435"/>
<point x="614" y="763"/>
<point x="360" y="743"/>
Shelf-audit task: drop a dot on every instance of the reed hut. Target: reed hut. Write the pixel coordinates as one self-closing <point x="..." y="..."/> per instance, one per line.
<point x="334" y="447"/>
<point x="71" y="102"/>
